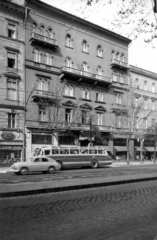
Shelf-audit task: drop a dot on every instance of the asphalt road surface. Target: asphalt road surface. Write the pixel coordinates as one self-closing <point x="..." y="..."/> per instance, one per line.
<point x="11" y="178"/>
<point x="122" y="212"/>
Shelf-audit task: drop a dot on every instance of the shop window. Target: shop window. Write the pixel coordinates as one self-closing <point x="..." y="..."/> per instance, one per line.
<point x="67" y="140"/>
<point x="41" y="139"/>
<point x="11" y="89"/>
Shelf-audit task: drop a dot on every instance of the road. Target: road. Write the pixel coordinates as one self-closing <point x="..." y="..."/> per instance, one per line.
<point x="122" y="212"/>
<point x="11" y="178"/>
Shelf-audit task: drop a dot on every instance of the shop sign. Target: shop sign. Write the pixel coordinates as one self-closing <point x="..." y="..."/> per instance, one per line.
<point x="8" y="135"/>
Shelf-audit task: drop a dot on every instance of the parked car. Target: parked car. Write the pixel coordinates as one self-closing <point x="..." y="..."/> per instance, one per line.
<point x="36" y="164"/>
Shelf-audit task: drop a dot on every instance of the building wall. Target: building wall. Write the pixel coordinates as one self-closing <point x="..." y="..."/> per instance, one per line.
<point x="11" y="138"/>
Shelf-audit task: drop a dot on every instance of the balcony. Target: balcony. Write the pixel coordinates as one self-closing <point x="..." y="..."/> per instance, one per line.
<point x="43" y="40"/>
<point x="40" y="95"/>
<point x="119" y="64"/>
<point x="79" y="75"/>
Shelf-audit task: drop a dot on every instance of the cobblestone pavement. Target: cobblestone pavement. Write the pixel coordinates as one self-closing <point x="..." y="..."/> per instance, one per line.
<point x="124" y="212"/>
<point x="11" y="178"/>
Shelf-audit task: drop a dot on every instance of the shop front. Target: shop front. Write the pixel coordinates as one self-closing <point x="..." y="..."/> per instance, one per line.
<point x="120" y="149"/>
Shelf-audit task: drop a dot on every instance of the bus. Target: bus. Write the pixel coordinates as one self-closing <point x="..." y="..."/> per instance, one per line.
<point x="76" y="157"/>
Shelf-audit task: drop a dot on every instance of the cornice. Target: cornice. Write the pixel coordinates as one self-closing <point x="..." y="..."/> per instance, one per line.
<point x="10" y="6"/>
<point x="82" y="21"/>
<point x="12" y="106"/>
<point x="141" y="71"/>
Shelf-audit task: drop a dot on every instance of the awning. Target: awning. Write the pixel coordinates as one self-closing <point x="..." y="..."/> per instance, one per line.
<point x="120" y="149"/>
<point x="149" y="149"/>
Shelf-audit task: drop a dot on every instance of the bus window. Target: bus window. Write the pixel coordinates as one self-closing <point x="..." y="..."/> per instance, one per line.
<point x="92" y="151"/>
<point x="55" y="151"/>
<point x="84" y="151"/>
<point x="74" y="151"/>
<point x="47" y="152"/>
<point x="100" y="151"/>
<point x="64" y="151"/>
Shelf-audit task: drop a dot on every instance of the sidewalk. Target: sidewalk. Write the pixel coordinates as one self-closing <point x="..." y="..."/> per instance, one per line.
<point x="29" y="188"/>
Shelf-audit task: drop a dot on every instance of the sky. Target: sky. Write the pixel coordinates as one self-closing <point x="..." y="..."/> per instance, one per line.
<point x="140" y="54"/>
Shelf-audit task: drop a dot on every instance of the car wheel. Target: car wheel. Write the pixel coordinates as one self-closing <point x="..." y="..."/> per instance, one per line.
<point x="23" y="171"/>
<point x="60" y="165"/>
<point x="51" y="170"/>
<point x="94" y="163"/>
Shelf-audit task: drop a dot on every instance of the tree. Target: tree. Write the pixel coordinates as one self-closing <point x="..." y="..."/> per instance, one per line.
<point x="132" y="118"/>
<point x="151" y="134"/>
<point x="127" y="17"/>
<point x="59" y="117"/>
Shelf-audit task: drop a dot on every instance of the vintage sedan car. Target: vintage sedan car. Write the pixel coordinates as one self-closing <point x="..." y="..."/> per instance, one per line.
<point x="36" y="164"/>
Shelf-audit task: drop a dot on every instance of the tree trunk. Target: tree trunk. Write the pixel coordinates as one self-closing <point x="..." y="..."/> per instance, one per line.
<point x="128" y="156"/>
<point x="141" y="150"/>
<point x="154" y="151"/>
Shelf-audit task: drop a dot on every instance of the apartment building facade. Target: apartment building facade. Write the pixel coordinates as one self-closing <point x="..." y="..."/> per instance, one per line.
<point x="89" y="61"/>
<point x="145" y="89"/>
<point x="12" y="80"/>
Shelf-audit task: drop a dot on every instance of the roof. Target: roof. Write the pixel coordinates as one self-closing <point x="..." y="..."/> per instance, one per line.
<point x="127" y="40"/>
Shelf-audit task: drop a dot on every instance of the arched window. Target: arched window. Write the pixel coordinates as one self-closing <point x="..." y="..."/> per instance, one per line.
<point x="49" y="33"/>
<point x="34" y="27"/>
<point x="99" y="72"/>
<point x="113" y="55"/>
<point x="153" y="87"/>
<point x="122" y="58"/>
<point x="99" y="51"/>
<point x="48" y="59"/>
<point x="42" y="30"/>
<point x="37" y="56"/>
<point x="68" y="41"/>
<point x="85" y="67"/>
<point x="85" y="46"/>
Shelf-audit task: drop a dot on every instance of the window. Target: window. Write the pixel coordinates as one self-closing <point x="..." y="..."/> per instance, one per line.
<point x="113" y="55"/>
<point x="43" y="114"/>
<point x="100" y="119"/>
<point x="122" y="58"/>
<point x="145" y="85"/>
<point x="99" y="72"/>
<point x="11" y="89"/>
<point x="69" y="91"/>
<point x="145" y="104"/>
<point x="119" y="123"/>
<point x="41" y="139"/>
<point x="153" y="87"/>
<point x="118" y="56"/>
<point x="48" y="59"/>
<point x="99" y="96"/>
<point x="37" y="56"/>
<point x="68" y="115"/>
<point x="99" y="51"/>
<point x="85" y="117"/>
<point x="121" y="78"/>
<point x="85" y="69"/>
<point x="85" y="94"/>
<point x="118" y="98"/>
<point x="115" y="77"/>
<point x="12" y="60"/>
<point x="136" y="101"/>
<point x="137" y="83"/>
<point x="44" y="160"/>
<point x="34" y="27"/>
<point x="85" y="47"/>
<point x="11" y="30"/>
<point x="42" y="30"/>
<point x="69" y="63"/>
<point x="69" y="41"/>
<point x="43" y="84"/>
<point x="49" y="33"/>
<point x="11" y="120"/>
<point x="153" y="105"/>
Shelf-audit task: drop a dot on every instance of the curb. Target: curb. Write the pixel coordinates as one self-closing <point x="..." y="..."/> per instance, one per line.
<point x="75" y="187"/>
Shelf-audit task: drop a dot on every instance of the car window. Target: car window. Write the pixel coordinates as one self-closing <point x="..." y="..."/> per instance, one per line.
<point x="44" y="160"/>
<point x="37" y="160"/>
